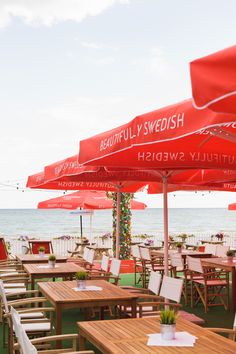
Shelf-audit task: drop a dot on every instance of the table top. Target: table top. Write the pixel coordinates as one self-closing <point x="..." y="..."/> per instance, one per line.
<point x="35" y="258"/>
<point x="184" y="253"/>
<point x="130" y="336"/>
<point x="96" y="248"/>
<point x="60" y="268"/>
<point x="220" y="261"/>
<point x="63" y="292"/>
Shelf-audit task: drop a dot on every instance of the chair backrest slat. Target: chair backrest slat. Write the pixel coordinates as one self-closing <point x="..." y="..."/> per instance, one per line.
<point x="135" y="252"/>
<point x="105" y="263"/>
<point x="145" y="253"/>
<point x="221" y="250"/>
<point x="171" y="288"/>
<point x="176" y="260"/>
<point x="194" y="264"/>
<point x="26" y="346"/>
<point x="85" y="254"/>
<point x="34" y="246"/>
<point x="154" y="282"/>
<point x="209" y="248"/>
<point x="3" y="250"/>
<point x="3" y="296"/>
<point x="90" y="256"/>
<point x="115" y="266"/>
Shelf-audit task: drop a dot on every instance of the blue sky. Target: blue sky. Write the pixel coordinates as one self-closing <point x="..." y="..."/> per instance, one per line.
<point x="72" y="68"/>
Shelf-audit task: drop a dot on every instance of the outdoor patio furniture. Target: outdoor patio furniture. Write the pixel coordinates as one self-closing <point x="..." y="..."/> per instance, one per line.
<point x="35" y="318"/>
<point x="35" y="258"/>
<point x="4" y="254"/>
<point x="150" y="262"/>
<point x="34" y="246"/>
<point x="227" y="265"/>
<point x="26" y="346"/>
<point x="210" y="287"/>
<point x="131" y="336"/>
<point x="103" y="268"/>
<point x="112" y="275"/>
<point x="62" y="295"/>
<point x="42" y="271"/>
<point x="221" y="250"/>
<point x="135" y="253"/>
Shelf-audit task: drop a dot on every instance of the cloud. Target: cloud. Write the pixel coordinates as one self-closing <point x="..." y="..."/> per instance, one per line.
<point x="51" y="12"/>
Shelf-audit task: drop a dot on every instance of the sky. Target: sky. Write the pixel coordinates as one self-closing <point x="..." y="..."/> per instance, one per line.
<point x="71" y="69"/>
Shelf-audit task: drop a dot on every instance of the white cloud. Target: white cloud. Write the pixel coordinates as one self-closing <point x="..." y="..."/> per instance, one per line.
<point x="50" y="12"/>
<point x="91" y="45"/>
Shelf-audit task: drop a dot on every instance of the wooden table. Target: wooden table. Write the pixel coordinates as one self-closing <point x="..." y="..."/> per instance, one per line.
<point x="61" y="270"/>
<point x="130" y="336"/>
<point x="99" y="251"/>
<point x="223" y="263"/>
<point x="35" y="258"/>
<point x="184" y="253"/>
<point x="62" y="296"/>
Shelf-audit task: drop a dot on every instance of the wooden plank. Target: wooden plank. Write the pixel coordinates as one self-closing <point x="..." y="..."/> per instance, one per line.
<point x="34" y="258"/>
<point x="130" y="336"/>
<point x="61" y="268"/>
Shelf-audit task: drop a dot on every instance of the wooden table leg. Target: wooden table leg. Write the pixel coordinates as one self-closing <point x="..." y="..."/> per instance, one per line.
<point x="32" y="282"/>
<point x="233" y="289"/>
<point x="82" y="341"/>
<point x="58" y="324"/>
<point x="134" y="308"/>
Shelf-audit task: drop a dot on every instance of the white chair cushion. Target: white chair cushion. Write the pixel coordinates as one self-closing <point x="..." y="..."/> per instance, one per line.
<point x="31" y="315"/>
<point x="14" y="285"/>
<point x="37" y="327"/>
<point x="15" y="290"/>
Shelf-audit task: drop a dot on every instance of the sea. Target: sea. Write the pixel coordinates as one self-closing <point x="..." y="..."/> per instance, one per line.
<point x="55" y="223"/>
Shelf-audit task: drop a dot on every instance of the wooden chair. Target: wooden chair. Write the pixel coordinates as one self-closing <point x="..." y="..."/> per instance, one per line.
<point x="231" y="332"/>
<point x="179" y="270"/>
<point x="210" y="248"/>
<point x="27" y="346"/>
<point x="170" y="295"/>
<point x="5" y="257"/>
<point x="208" y="286"/>
<point x="135" y="253"/>
<point x="149" y="263"/>
<point x="113" y="274"/>
<point x="34" y="246"/>
<point x="35" y="320"/>
<point x="221" y="250"/>
<point x="103" y="268"/>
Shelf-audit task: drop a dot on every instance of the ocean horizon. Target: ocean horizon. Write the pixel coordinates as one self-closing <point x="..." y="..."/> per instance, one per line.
<point x="57" y="222"/>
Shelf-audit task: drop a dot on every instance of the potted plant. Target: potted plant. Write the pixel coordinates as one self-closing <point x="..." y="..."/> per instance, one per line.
<point x="81" y="279"/>
<point x="230" y="255"/>
<point x="168" y="324"/>
<point x="179" y="247"/>
<point x="52" y="261"/>
<point x="41" y="251"/>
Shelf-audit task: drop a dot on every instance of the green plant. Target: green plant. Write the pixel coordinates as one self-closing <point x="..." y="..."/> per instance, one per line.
<point x="52" y="258"/>
<point x="168" y="317"/>
<point x="230" y="253"/>
<point x="41" y="249"/>
<point x="179" y="245"/>
<point x="81" y="275"/>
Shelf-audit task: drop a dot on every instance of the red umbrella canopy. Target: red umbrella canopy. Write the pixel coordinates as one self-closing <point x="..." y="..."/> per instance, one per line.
<point x="232" y="206"/>
<point x="174" y="137"/>
<point x="84" y="200"/>
<point x="157" y="188"/>
<point x="213" y="81"/>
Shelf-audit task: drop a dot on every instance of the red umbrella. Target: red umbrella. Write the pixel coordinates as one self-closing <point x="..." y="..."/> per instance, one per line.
<point x="84" y="200"/>
<point x="157" y="188"/>
<point x="232" y="206"/>
<point x="213" y="81"/>
<point x="172" y="138"/>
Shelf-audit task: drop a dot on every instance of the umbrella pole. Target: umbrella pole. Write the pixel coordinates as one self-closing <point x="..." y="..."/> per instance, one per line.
<point x="81" y="225"/>
<point x="90" y="227"/>
<point x="118" y="223"/>
<point x="165" y="210"/>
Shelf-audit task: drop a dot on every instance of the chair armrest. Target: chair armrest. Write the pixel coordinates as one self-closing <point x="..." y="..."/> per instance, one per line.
<point x="36" y="309"/>
<point x="23" y="293"/>
<point x="158" y="303"/>
<point x="26" y="301"/>
<point x="221" y="330"/>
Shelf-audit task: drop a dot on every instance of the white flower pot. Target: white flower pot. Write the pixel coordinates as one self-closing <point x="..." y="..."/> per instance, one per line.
<point x="41" y="254"/>
<point x="51" y="264"/>
<point x="81" y="284"/>
<point x="168" y="331"/>
<point x="179" y="249"/>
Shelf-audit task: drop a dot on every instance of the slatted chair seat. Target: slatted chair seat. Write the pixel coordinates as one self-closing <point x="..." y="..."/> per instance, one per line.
<point x="191" y="317"/>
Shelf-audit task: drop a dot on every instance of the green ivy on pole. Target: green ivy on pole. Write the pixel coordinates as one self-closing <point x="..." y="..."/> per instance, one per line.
<point x="125" y="223"/>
